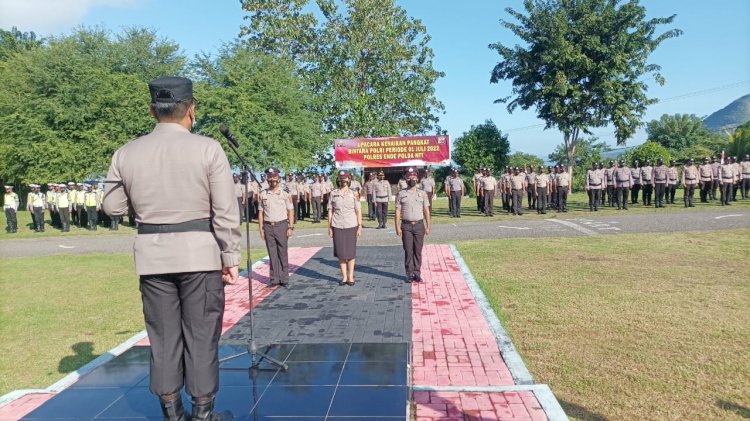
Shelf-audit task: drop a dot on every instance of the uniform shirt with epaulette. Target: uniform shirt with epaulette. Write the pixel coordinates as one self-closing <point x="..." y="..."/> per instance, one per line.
<point x="531" y="178"/>
<point x="609" y="176"/>
<point x="673" y="175"/>
<point x="562" y="179"/>
<point x="737" y="171"/>
<point x="382" y="191"/>
<point x="647" y="174"/>
<point x="274" y="205"/>
<point x="343" y="208"/>
<point x="455" y="183"/>
<point x="707" y="173"/>
<point x="660" y="174"/>
<point x="427" y="184"/>
<point x="316" y="189"/>
<point x="355" y="186"/>
<point x="635" y="174"/>
<point x="745" y="170"/>
<point x="542" y="180"/>
<point x="594" y="180"/>
<point x="726" y="173"/>
<point x="690" y="175"/>
<point x="412" y="204"/>
<point x="518" y="182"/>
<point x="488" y="183"/>
<point x="715" y="169"/>
<point x="11" y="201"/>
<point x="622" y="177"/>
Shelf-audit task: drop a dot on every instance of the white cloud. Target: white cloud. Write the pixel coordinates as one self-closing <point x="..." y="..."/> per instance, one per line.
<point x="50" y="16"/>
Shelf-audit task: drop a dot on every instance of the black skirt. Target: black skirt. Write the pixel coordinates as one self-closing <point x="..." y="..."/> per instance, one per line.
<point x="345" y="243"/>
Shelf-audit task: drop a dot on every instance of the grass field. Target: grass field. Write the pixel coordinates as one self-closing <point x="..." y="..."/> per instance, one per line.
<point x="59" y="312"/>
<point x="628" y="327"/>
<point x="578" y="204"/>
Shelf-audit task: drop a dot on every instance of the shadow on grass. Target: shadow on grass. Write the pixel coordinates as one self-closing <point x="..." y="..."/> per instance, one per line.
<point x="84" y="352"/>
<point x="577" y="411"/>
<point x="740" y="410"/>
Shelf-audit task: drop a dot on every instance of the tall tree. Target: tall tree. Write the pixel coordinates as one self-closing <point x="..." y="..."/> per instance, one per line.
<point x="738" y="141"/>
<point x="583" y="64"/>
<point x="368" y="63"/>
<point x="66" y="106"/>
<point x="588" y="151"/>
<point x="521" y="159"/>
<point x="483" y="145"/>
<point x="678" y="131"/>
<point x="263" y="100"/>
<point x="15" y="41"/>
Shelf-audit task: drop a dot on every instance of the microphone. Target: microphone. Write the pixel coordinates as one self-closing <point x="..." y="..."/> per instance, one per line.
<point x="229" y="136"/>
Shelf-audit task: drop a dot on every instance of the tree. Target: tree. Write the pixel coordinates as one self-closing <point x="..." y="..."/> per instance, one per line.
<point x="738" y="141"/>
<point x="583" y="65"/>
<point x="523" y="160"/>
<point x="649" y="150"/>
<point x="370" y="66"/>
<point x="589" y="151"/>
<point x="683" y="135"/>
<point x="262" y="98"/>
<point x="15" y="41"/>
<point x="483" y="145"/>
<point x="66" y="106"/>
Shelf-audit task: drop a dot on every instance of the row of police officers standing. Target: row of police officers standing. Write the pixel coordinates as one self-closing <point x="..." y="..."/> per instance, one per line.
<point x="544" y="190"/>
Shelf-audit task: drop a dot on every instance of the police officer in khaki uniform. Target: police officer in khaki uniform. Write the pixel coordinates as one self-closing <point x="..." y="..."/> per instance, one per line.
<point x="412" y="224"/>
<point x="240" y="194"/>
<point x="715" y="165"/>
<point x="673" y="178"/>
<point x="345" y="225"/>
<point x="707" y="179"/>
<point x="737" y="176"/>
<point x="454" y="189"/>
<point x="541" y="190"/>
<point x="623" y="182"/>
<point x="690" y="179"/>
<point x="36" y="207"/>
<point x="647" y="176"/>
<point x="276" y="225"/>
<point x="594" y="186"/>
<point x="660" y="178"/>
<point x="184" y="254"/>
<point x="635" y="174"/>
<point x="726" y="182"/>
<point x="382" y="197"/>
<point x="477" y="181"/>
<point x="611" y="184"/>
<point x="369" y="188"/>
<point x="563" y="189"/>
<point x="517" y="188"/>
<point x="530" y="191"/>
<point x="427" y="184"/>
<point x="10" y="206"/>
<point x="488" y="185"/>
<point x="745" y="176"/>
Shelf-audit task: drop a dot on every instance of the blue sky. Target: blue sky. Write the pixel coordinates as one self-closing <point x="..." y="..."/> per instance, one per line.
<point x="706" y="68"/>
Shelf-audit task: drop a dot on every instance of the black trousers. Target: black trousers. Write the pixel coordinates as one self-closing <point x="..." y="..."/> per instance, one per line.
<point x="622" y="197"/>
<point x="647" y="190"/>
<point x="316" y="202"/>
<point x="660" y="191"/>
<point x="456" y="203"/>
<point x="714" y="185"/>
<point x="542" y="203"/>
<point x="371" y="212"/>
<point x="429" y="197"/>
<point x="745" y="187"/>
<point x="11" y="220"/>
<point x="241" y="208"/>
<point x="671" y="191"/>
<point x="412" y="238"/>
<point x="83" y="216"/>
<point x="381" y="209"/>
<point x="562" y="198"/>
<point x="295" y="205"/>
<point x="488" y="197"/>
<point x="55" y="217"/>
<point x="39" y="218"/>
<point x="531" y="198"/>
<point x="706" y="187"/>
<point x="517" y="195"/>
<point x="634" y="193"/>
<point x="64" y="219"/>
<point x="92" y="217"/>
<point x="183" y="313"/>
<point x="74" y="213"/>
<point x="688" y="192"/>
<point x="326" y="197"/>
<point x="506" y="201"/>
<point x="726" y="193"/>
<point x="594" y="198"/>
<point x="277" y="246"/>
<point x="480" y="202"/>
<point x="611" y="192"/>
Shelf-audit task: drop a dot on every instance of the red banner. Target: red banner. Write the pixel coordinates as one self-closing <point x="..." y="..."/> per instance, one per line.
<point x="392" y="151"/>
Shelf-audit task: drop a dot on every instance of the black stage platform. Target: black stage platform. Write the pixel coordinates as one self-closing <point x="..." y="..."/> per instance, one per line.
<point x="337" y="382"/>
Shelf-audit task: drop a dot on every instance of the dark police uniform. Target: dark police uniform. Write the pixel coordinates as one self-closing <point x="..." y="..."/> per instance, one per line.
<point x="180" y="251"/>
<point x="412" y="223"/>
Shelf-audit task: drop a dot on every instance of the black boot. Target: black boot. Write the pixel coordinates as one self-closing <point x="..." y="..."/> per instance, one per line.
<point x="171" y="407"/>
<point x="203" y="410"/>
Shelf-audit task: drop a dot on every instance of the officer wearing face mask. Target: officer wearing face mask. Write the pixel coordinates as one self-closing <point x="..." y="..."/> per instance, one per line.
<point x="412" y="224"/>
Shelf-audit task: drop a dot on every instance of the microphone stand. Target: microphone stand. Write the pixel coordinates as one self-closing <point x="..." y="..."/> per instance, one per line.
<point x="252" y="349"/>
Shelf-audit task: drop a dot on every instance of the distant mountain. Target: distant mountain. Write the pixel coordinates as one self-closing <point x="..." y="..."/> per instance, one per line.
<point x="731" y="116"/>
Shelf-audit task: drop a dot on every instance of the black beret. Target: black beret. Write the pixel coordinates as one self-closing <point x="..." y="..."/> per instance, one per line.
<point x="170" y="89"/>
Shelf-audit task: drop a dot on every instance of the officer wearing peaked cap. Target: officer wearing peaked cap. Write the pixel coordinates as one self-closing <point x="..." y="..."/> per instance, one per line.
<point x="184" y="256"/>
<point x="412" y="224"/>
<point x="10" y="206"/>
<point x="276" y="225"/>
<point x="382" y="197"/>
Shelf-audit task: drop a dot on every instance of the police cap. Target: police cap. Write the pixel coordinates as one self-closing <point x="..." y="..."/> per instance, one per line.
<point x="170" y="89"/>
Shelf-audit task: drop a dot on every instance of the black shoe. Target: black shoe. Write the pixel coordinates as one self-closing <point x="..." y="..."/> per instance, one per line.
<point x="409" y="278"/>
<point x="284" y="284"/>
<point x="417" y="278"/>
<point x="203" y="411"/>
<point x="172" y="408"/>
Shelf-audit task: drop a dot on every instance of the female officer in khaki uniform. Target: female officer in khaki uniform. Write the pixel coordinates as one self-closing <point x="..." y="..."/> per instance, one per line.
<point x="344" y="226"/>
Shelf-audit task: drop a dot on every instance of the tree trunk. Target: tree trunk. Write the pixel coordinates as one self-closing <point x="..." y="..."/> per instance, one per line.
<point x="571" y="141"/>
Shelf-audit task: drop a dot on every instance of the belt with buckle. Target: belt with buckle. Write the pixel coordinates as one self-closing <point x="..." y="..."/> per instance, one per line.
<point x="274" y="223"/>
<point x="411" y="222"/>
<point x="381" y="197"/>
<point x="196" y="225"/>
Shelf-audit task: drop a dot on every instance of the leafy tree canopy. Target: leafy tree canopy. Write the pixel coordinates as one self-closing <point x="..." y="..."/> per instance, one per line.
<point x="523" y="160"/>
<point x="680" y="131"/>
<point x="649" y="150"/>
<point x="583" y="64"/>
<point x="15" y="41"/>
<point x="589" y="151"/>
<point x="482" y="146"/>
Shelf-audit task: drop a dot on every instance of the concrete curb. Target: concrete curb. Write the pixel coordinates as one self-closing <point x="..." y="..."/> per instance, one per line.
<point x="518" y="370"/>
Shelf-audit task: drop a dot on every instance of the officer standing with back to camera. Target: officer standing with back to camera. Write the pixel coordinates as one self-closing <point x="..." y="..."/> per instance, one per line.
<point x="184" y="254"/>
<point x="412" y="224"/>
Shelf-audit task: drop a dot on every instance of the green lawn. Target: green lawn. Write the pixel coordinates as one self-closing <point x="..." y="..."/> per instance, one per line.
<point x="629" y="327"/>
<point x="59" y="312"/>
<point x="578" y="204"/>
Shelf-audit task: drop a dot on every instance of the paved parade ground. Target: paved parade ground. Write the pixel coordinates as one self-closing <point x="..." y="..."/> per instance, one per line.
<point x="382" y="349"/>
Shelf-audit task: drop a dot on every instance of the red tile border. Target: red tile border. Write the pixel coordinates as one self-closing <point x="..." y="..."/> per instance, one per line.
<point x="476" y="406"/>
